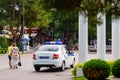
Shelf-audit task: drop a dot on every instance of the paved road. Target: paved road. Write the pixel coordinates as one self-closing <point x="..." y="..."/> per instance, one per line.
<point x="26" y="72"/>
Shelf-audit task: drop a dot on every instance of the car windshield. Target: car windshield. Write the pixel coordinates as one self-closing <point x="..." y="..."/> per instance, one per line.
<point x="48" y="48"/>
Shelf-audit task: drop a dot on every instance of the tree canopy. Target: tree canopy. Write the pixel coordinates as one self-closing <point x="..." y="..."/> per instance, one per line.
<point x="83" y="5"/>
<point x="37" y="13"/>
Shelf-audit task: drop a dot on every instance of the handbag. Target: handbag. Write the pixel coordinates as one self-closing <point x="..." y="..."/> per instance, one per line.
<point x="19" y="63"/>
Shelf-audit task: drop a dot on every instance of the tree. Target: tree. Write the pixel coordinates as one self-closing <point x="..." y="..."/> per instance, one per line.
<point x="68" y="21"/>
<point x="30" y="10"/>
<point x="36" y="17"/>
<point x="9" y="15"/>
<point x="38" y="13"/>
<point x="111" y="7"/>
<point x="83" y="5"/>
<point x="34" y="11"/>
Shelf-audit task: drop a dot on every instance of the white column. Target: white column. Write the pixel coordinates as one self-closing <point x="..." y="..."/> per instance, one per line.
<point x="83" y="37"/>
<point x="101" y="37"/>
<point x="116" y="38"/>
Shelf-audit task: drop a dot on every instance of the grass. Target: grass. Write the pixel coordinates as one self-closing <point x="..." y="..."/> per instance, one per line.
<point x="80" y="78"/>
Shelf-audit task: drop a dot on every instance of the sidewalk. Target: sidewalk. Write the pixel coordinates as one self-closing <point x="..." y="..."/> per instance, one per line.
<point x="113" y="78"/>
<point x="32" y="49"/>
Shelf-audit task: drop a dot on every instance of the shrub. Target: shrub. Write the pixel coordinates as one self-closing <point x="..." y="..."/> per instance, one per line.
<point x="116" y="68"/>
<point x="3" y="45"/>
<point x="96" y="69"/>
<point x="78" y="65"/>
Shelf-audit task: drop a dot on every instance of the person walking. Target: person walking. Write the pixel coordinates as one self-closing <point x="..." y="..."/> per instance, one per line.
<point x="15" y="55"/>
<point x="9" y="55"/>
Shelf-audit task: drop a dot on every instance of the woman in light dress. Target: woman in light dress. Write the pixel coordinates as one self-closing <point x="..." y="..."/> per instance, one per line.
<point x="15" y="55"/>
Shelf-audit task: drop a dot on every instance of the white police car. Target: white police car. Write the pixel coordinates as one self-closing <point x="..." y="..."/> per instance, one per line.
<point x="53" y="54"/>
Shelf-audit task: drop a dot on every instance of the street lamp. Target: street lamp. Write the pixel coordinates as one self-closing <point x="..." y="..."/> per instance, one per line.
<point x="17" y="7"/>
<point x="23" y="24"/>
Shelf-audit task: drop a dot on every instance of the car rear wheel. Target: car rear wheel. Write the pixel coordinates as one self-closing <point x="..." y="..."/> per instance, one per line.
<point x="37" y="68"/>
<point x="73" y="64"/>
<point x="62" y="68"/>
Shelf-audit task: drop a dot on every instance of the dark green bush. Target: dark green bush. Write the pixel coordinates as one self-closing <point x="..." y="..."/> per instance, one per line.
<point x="96" y="69"/>
<point x="116" y="68"/>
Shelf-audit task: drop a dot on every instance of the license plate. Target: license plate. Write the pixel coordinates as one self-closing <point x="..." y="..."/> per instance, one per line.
<point x="44" y="57"/>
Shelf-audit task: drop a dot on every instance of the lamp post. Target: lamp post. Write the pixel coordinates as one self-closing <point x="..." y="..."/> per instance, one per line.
<point x="23" y="25"/>
<point x="23" y="18"/>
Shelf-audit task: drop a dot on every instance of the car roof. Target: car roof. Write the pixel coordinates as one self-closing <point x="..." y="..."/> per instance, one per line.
<point x="42" y="47"/>
<point x="52" y="45"/>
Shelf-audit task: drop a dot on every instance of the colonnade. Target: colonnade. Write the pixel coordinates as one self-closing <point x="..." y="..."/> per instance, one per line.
<point x="101" y="37"/>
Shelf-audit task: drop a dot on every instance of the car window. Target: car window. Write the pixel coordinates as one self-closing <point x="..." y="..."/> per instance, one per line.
<point x="48" y="48"/>
<point x="64" y="50"/>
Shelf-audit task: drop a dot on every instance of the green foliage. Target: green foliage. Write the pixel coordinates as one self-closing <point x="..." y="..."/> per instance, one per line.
<point x="78" y="65"/>
<point x="8" y="12"/>
<point x="79" y="78"/>
<point x="92" y="5"/>
<point x="116" y="68"/>
<point x="61" y="4"/>
<point x="83" y="77"/>
<point x="66" y="23"/>
<point x="35" y="15"/>
<point x="3" y="45"/>
<point x="96" y="69"/>
<point x="83" y="5"/>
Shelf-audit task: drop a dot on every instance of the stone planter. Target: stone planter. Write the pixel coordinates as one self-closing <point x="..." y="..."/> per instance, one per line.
<point x="79" y="72"/>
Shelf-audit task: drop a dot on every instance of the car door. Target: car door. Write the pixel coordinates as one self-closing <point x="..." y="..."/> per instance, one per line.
<point x="66" y="57"/>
